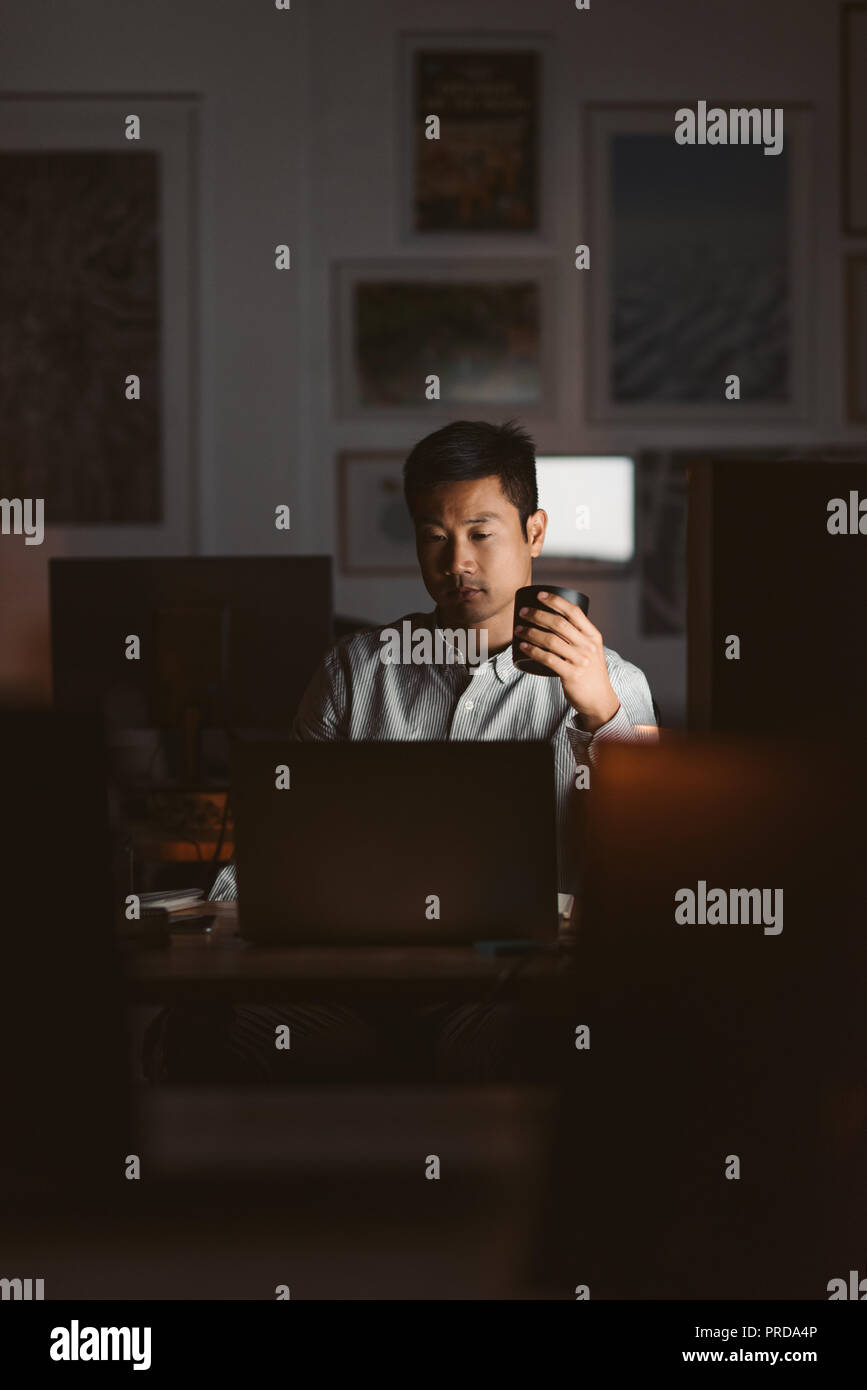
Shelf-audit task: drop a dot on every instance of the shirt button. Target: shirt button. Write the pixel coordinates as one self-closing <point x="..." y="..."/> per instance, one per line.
<point x="468" y="704"/>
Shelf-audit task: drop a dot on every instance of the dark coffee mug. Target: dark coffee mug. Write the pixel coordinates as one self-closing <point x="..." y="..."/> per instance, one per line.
<point x="528" y="597"/>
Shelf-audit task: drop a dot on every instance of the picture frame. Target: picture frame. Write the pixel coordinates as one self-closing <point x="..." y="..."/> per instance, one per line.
<point x="90" y="127"/>
<point x="856" y="338"/>
<point x="853" y="117"/>
<point x="485" y="327"/>
<point x="654" y="209"/>
<point x="484" y="182"/>
<point x="376" y="536"/>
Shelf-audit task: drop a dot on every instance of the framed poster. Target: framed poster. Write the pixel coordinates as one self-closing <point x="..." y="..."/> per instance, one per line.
<point x="856" y="338"/>
<point x="97" y="287"/>
<point x="476" y="124"/>
<point x="701" y="271"/>
<point x="853" y="70"/>
<point x="438" y="337"/>
<point x="377" y="536"/>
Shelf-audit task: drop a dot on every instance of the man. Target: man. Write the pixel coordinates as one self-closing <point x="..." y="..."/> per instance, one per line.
<point x="471" y="491"/>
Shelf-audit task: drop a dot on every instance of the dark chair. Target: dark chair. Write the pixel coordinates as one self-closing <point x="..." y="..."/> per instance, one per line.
<point x="344" y="627"/>
<point x="64" y="1088"/>
<point x="714" y="1039"/>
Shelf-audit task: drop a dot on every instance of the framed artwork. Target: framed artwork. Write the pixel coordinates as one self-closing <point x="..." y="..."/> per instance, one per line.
<point x="853" y="71"/>
<point x="376" y="534"/>
<point x="701" y="269"/>
<point x="856" y="334"/>
<point x="96" y="284"/>
<point x="483" y="173"/>
<point x="483" y="328"/>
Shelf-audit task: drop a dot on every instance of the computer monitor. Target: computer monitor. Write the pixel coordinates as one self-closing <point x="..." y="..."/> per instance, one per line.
<point x="226" y="645"/>
<point x="776" y="594"/>
<point x="590" y="501"/>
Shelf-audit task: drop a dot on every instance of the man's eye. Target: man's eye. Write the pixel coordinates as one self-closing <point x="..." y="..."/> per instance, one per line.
<point x="476" y="536"/>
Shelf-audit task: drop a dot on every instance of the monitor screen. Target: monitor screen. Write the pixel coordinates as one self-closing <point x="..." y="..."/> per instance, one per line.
<point x="590" y="501"/>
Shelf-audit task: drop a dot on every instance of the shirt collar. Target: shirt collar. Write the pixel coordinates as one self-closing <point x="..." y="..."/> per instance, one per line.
<point x="503" y="666"/>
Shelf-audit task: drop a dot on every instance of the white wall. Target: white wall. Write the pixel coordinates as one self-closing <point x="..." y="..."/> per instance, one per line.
<point x="299" y="144"/>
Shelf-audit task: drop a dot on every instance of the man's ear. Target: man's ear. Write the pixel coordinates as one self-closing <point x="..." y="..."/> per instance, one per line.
<point x="537" y="525"/>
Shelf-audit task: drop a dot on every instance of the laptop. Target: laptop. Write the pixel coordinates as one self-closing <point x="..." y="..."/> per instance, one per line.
<point x="394" y="842"/>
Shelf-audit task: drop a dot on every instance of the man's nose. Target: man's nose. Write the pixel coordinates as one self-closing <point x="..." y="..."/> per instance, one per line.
<point x="456" y="558"/>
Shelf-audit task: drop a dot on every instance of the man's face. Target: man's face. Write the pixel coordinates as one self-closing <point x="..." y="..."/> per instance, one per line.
<point x="472" y="549"/>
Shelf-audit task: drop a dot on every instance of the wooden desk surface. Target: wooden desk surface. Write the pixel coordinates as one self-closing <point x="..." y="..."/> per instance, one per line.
<point x="220" y="965"/>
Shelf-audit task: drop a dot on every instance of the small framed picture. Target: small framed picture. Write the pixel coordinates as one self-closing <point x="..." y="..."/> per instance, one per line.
<point x="377" y="536"/>
<point x="856" y="333"/>
<point x="853" y="68"/>
<point x="473" y="129"/>
<point x="436" y="337"/>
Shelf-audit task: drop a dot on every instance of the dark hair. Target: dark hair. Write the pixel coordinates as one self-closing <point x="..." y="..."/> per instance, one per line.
<point x="468" y="449"/>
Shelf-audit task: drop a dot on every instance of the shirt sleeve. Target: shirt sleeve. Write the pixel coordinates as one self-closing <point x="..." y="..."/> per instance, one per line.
<point x="323" y="714"/>
<point x="634" y="722"/>
<point x="225" y="886"/>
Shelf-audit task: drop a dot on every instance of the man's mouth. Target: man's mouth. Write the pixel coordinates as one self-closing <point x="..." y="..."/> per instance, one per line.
<point x="465" y="592"/>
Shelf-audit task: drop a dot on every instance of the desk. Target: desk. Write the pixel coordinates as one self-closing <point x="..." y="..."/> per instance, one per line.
<point x="219" y="965"/>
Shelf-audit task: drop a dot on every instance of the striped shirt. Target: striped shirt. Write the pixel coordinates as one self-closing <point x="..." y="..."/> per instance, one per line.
<point x="356" y="695"/>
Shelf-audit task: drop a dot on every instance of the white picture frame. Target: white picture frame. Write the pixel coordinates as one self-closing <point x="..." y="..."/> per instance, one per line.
<point x="534" y="393"/>
<point x="169" y="128"/>
<point x="603" y="122"/>
<point x="375" y="529"/>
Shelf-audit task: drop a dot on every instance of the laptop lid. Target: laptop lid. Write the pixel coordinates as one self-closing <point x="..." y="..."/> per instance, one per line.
<point x="395" y="842"/>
